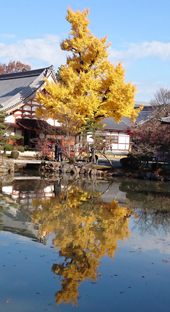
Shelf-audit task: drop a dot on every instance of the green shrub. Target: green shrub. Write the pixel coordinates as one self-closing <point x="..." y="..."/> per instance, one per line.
<point x="20" y="148"/>
<point x="14" y="154"/>
<point x="72" y="160"/>
<point x="154" y="166"/>
<point x="146" y="157"/>
<point x="9" y="147"/>
<point x="26" y="147"/>
<point x="130" y="162"/>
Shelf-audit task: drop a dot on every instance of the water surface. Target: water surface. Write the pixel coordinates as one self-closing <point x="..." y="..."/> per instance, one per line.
<point x="84" y="245"/>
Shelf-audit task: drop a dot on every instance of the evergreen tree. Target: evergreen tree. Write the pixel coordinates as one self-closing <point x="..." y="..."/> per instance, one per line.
<point x="5" y="135"/>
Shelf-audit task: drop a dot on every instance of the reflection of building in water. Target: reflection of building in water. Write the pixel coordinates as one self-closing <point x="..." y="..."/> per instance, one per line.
<point x="16" y="217"/>
<point x="14" y="220"/>
<point x="24" y="196"/>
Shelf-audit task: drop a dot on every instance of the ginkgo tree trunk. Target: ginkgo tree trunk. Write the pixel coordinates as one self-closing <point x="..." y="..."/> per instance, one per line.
<point x="90" y="87"/>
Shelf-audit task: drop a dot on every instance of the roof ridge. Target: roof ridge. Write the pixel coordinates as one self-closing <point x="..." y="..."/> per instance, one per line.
<point x="28" y="73"/>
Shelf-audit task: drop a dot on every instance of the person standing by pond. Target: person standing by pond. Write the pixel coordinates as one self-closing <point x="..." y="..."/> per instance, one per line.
<point x="58" y="152"/>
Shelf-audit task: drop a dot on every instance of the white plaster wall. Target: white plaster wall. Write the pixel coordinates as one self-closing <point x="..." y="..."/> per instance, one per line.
<point x="50" y="121"/>
<point x="10" y="118"/>
<point x="123" y="138"/>
<point x="115" y="146"/>
<point x="11" y="130"/>
<point x="7" y="189"/>
<point x="57" y="124"/>
<point x="89" y="138"/>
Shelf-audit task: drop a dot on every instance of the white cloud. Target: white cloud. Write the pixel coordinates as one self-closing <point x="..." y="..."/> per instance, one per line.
<point x="146" y="64"/>
<point x="7" y="36"/>
<point x="144" y="50"/>
<point x="146" y="90"/>
<point x="45" y="51"/>
<point x="148" y="242"/>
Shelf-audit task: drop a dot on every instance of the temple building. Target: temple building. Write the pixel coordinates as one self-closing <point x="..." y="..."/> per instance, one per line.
<point x="18" y="100"/>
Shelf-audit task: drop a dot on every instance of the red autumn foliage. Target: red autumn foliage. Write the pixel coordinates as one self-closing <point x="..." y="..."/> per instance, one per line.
<point x="150" y="138"/>
<point x="13" y="67"/>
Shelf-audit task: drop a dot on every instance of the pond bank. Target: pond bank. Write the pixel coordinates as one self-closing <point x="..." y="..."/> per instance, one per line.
<point x="103" y="169"/>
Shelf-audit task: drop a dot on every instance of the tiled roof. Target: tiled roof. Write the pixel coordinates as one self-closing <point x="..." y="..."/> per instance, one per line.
<point x="17" y="87"/>
<point x="138" y="104"/>
<point x="112" y="125"/>
<point x="165" y="119"/>
<point x="143" y="115"/>
<point x="126" y="122"/>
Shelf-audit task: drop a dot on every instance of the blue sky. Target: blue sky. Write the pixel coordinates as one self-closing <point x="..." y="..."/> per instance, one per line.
<point x="139" y="30"/>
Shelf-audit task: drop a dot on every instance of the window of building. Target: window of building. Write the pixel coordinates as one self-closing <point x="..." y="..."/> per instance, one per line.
<point x="114" y="139"/>
<point x="26" y="107"/>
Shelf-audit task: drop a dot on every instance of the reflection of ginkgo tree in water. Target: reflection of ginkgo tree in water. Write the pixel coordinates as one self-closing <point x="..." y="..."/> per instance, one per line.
<point x="86" y="229"/>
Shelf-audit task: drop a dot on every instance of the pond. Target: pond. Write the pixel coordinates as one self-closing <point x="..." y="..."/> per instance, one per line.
<point x="84" y="245"/>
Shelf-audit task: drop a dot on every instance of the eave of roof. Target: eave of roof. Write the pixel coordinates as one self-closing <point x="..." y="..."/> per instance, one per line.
<point x="165" y="120"/>
<point x="125" y="123"/>
<point x="11" y="125"/>
<point x="112" y="125"/>
<point x="29" y="91"/>
<point x="38" y="124"/>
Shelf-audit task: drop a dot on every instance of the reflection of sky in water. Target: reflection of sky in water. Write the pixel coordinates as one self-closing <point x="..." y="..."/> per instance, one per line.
<point x="136" y="280"/>
<point x="159" y="241"/>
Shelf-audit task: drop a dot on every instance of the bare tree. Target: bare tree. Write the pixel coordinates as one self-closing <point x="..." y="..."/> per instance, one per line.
<point x="161" y="103"/>
<point x="149" y="136"/>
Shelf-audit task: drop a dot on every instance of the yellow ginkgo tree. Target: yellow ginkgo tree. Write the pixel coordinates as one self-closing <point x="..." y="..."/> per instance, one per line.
<point x="90" y="87"/>
<point x="85" y="229"/>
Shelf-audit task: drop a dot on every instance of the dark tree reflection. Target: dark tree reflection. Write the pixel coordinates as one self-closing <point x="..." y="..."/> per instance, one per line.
<point x="151" y="202"/>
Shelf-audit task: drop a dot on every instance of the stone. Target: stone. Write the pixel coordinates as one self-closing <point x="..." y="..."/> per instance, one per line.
<point x="99" y="173"/>
<point x="154" y="176"/>
<point x="56" y="169"/>
<point x="82" y="171"/>
<point x="148" y="175"/>
<point x="63" y="169"/>
<point x="65" y="164"/>
<point x="88" y="171"/>
<point x="56" y="165"/>
<point x="72" y="168"/>
<point x="135" y="175"/>
<point x="4" y="169"/>
<point x="77" y="169"/>
<point x="141" y="175"/>
<point x="166" y="178"/>
<point x="118" y="173"/>
<point x="128" y="174"/>
<point x="93" y="172"/>
<point x="68" y="170"/>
